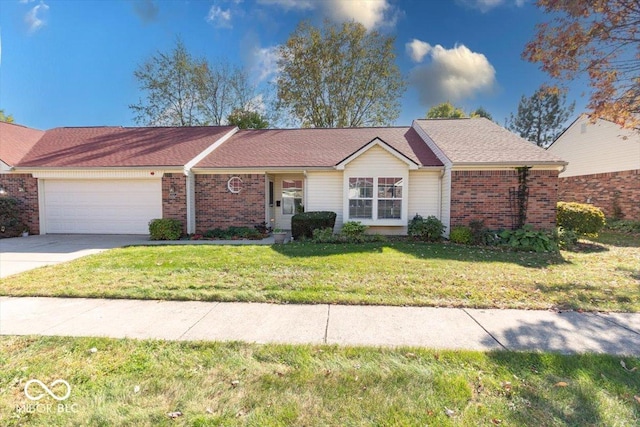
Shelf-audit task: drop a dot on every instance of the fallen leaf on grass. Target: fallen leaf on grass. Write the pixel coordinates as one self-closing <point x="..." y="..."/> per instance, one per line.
<point x="449" y="412"/>
<point x="174" y="415"/>
<point x="235" y="383"/>
<point x="506" y="386"/>
<point x="624" y="366"/>
<point x="561" y="384"/>
<point x="496" y="421"/>
<point x="637" y="398"/>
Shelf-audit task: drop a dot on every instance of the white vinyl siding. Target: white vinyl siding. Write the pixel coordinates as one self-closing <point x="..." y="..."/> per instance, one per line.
<point x="377" y="163"/>
<point x="324" y="193"/>
<point x="101" y="206"/>
<point x="597" y="148"/>
<point x="424" y="194"/>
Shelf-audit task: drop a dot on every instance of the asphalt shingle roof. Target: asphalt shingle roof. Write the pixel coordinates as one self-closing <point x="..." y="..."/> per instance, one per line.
<point x="16" y="141"/>
<point x="312" y="147"/>
<point x="479" y="140"/>
<point x="121" y="147"/>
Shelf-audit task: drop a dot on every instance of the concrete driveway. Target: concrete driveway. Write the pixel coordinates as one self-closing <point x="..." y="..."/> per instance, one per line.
<point x="26" y="253"/>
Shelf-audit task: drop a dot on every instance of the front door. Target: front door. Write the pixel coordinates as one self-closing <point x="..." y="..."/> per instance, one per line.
<point x="290" y="199"/>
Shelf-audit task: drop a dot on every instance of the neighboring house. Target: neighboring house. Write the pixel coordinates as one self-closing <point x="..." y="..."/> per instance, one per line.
<point x="114" y="180"/>
<point x="604" y="166"/>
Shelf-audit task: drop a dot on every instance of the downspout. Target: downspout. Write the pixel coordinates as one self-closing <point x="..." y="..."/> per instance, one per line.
<point x="191" y="199"/>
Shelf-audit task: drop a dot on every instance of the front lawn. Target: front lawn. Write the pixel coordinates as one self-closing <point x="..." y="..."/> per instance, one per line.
<point x="598" y="276"/>
<point x="144" y="383"/>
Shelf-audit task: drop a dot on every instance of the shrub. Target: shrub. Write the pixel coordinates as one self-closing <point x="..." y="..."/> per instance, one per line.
<point x="303" y="224"/>
<point x="566" y="239"/>
<point x="324" y="235"/>
<point x="353" y="231"/>
<point x="482" y="235"/>
<point x="165" y="229"/>
<point x="461" y="234"/>
<point x="10" y="224"/>
<point x="528" y="239"/>
<point x="429" y="230"/>
<point x="233" y="232"/>
<point x="580" y="218"/>
<point x="624" y="226"/>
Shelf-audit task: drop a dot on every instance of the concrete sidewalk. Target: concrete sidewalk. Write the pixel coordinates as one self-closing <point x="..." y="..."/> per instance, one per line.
<point x="438" y="328"/>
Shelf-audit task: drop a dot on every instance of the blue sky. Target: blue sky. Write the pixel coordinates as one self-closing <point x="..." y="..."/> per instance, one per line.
<point x="71" y="63"/>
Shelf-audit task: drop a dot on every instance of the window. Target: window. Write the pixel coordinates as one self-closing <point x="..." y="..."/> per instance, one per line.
<point x="234" y="184"/>
<point x="382" y="196"/>
<point x="361" y="198"/>
<point x="389" y="198"/>
<point x="291" y="196"/>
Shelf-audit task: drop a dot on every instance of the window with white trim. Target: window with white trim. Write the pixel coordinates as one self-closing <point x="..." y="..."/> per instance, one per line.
<point x="382" y="196"/>
<point x="360" y="198"/>
<point x="389" y="198"/>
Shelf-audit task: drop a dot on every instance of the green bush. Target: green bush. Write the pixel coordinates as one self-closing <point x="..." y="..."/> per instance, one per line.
<point x="579" y="217"/>
<point x="429" y="230"/>
<point x="528" y="239"/>
<point x="482" y="235"/>
<point x="165" y="229"/>
<point x="624" y="226"/>
<point x="10" y="223"/>
<point x="566" y="239"/>
<point x="323" y="235"/>
<point x="353" y="231"/>
<point x="461" y="234"/>
<point x="233" y="233"/>
<point x="303" y="224"/>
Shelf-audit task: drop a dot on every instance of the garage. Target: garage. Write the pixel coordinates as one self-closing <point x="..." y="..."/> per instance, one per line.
<point x="101" y="206"/>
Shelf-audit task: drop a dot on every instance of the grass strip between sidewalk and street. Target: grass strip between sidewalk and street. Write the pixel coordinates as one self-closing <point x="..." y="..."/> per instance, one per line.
<point x="602" y="276"/>
<point x="144" y="383"/>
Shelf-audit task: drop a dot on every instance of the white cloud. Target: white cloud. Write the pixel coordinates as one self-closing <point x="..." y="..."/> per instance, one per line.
<point x="289" y="4"/>
<point x="486" y="5"/>
<point x="370" y="13"/>
<point x="452" y="75"/>
<point x="264" y="63"/>
<point x="34" y="18"/>
<point x="417" y="49"/>
<point x="219" y="18"/>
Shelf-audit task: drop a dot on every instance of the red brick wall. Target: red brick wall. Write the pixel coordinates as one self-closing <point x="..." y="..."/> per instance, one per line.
<point x="602" y="189"/>
<point x="484" y="195"/>
<point x="174" y="203"/>
<point x="28" y="198"/>
<point x="217" y="207"/>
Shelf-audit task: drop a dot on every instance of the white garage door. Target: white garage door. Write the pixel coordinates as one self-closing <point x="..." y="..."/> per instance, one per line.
<point x="119" y="206"/>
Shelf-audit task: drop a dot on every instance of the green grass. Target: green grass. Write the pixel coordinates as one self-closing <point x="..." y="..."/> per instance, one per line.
<point x="596" y="276"/>
<point x="128" y="382"/>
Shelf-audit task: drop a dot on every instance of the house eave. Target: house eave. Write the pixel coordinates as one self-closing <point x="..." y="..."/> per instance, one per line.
<point x="509" y="165"/>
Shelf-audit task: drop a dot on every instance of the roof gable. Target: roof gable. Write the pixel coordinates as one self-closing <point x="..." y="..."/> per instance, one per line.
<point x="377" y="142"/>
